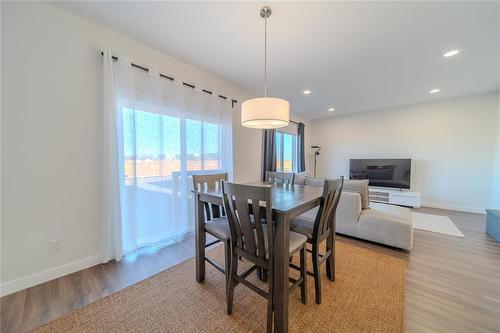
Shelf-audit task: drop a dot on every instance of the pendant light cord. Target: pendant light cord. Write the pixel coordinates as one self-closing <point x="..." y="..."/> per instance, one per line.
<point x="265" y="56"/>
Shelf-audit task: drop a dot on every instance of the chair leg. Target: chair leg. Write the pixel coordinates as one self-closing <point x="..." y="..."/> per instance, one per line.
<point x="227" y="263"/>
<point x="303" y="274"/>
<point x="230" y="286"/>
<point x="330" y="261"/>
<point x="264" y="275"/>
<point x="317" y="275"/>
<point x="270" y="300"/>
<point x="269" y="325"/>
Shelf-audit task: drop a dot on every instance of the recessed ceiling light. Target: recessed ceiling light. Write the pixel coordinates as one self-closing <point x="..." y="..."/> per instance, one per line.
<point x="331" y="109"/>
<point x="434" y="91"/>
<point x="451" y="53"/>
<point x="307" y="92"/>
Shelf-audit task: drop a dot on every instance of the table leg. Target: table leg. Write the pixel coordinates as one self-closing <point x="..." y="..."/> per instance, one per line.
<point x="280" y="273"/>
<point x="199" y="221"/>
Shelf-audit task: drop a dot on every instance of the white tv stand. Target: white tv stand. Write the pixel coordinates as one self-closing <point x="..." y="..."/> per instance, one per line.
<point x="395" y="196"/>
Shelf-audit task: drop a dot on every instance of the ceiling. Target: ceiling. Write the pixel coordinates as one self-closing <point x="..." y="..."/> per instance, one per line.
<point x="354" y="56"/>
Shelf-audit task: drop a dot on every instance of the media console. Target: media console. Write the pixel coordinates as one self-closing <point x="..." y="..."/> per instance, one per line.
<point x="395" y="197"/>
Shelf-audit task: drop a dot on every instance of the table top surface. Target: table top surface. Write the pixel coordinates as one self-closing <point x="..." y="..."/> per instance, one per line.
<point x="284" y="197"/>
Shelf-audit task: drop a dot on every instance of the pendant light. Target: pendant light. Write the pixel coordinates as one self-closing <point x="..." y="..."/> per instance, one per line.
<point x="265" y="112"/>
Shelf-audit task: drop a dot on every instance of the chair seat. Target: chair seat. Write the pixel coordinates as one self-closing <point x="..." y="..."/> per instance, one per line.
<point x="302" y="225"/>
<point x="219" y="228"/>
<point x="296" y="241"/>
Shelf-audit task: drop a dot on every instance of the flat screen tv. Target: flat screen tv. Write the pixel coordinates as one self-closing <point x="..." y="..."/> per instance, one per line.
<point x="393" y="173"/>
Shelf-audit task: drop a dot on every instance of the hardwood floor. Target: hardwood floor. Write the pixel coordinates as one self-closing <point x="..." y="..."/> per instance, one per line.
<point x="452" y="283"/>
<point x="35" y="306"/>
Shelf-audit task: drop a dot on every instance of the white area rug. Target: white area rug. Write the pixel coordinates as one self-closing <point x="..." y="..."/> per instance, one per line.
<point x="436" y="223"/>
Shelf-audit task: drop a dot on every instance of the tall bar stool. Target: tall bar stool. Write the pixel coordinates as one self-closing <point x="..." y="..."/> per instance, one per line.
<point x="215" y="220"/>
<point x="319" y="230"/>
<point x="253" y="240"/>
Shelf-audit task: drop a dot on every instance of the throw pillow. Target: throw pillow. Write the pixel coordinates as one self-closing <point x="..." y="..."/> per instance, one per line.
<point x="361" y="187"/>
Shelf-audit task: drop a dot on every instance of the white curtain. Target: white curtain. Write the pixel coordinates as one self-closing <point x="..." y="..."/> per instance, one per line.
<point x="111" y="231"/>
<point x="168" y="132"/>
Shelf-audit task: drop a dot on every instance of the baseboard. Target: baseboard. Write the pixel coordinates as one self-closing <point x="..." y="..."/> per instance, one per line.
<point x="454" y="207"/>
<point x="10" y="287"/>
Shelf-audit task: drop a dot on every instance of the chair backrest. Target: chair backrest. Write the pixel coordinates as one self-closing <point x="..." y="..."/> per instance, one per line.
<point x="280" y="177"/>
<point x="209" y="182"/>
<point x="299" y="179"/>
<point x="247" y="238"/>
<point x="318" y="182"/>
<point x="325" y="219"/>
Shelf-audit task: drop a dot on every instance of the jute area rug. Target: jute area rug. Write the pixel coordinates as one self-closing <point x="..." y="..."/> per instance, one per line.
<point x="367" y="296"/>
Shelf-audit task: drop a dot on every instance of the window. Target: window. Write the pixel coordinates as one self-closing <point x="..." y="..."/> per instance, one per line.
<point x="153" y="145"/>
<point x="286" y="152"/>
<point x="203" y="145"/>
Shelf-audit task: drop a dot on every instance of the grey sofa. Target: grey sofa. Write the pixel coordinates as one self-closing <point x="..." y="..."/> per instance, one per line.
<point x="382" y="223"/>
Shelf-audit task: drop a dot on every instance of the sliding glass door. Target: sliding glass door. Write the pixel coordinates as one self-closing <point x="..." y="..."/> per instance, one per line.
<point x="161" y="152"/>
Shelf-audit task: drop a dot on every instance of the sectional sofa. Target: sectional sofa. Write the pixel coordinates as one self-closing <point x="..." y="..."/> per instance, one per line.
<point x="356" y="216"/>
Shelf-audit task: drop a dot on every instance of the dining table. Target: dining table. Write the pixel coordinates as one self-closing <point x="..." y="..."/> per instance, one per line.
<point x="288" y="202"/>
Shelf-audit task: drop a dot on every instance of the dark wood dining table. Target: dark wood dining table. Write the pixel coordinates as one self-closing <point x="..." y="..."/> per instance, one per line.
<point x="288" y="201"/>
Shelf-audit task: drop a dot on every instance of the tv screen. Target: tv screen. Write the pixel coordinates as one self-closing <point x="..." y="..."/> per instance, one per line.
<point x="394" y="173"/>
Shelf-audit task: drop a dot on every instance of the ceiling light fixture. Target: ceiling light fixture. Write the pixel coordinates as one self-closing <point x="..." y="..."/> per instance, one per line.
<point x="307" y="92"/>
<point x="451" y="53"/>
<point x="434" y="91"/>
<point x="331" y="109"/>
<point x="265" y="112"/>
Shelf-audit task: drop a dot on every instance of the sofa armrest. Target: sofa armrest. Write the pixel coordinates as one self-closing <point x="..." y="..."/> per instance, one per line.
<point x="349" y="208"/>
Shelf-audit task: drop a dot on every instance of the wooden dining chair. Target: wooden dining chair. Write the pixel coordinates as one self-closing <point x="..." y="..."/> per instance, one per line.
<point x="215" y="220"/>
<point x="253" y="240"/>
<point x="320" y="229"/>
<point x="280" y="177"/>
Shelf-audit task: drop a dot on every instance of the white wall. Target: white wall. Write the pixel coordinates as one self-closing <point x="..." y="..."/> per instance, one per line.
<point x="495" y="200"/>
<point x="451" y="144"/>
<point x="51" y="130"/>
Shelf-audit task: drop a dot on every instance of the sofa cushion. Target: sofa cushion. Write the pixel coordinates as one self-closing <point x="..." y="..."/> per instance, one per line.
<point x="387" y="224"/>
<point x="361" y="187"/>
<point x="348" y="212"/>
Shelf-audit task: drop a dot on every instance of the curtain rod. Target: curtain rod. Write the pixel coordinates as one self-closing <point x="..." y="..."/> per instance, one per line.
<point x="171" y="79"/>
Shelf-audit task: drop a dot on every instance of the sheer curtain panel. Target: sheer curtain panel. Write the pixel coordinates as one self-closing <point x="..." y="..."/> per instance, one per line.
<point x="112" y="166"/>
<point x="169" y="132"/>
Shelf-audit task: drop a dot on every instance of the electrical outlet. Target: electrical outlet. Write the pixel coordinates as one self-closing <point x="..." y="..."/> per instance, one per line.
<point x="55" y="246"/>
